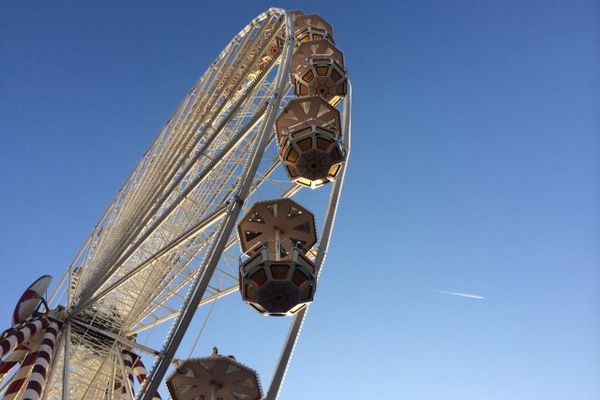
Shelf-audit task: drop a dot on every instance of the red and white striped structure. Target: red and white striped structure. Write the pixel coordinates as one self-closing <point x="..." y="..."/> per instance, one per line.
<point x="128" y="364"/>
<point x="21" y="334"/>
<point x="19" y="380"/>
<point x="119" y="391"/>
<point x="138" y="369"/>
<point x="37" y="380"/>
<point x="31" y="299"/>
<point x="14" y="358"/>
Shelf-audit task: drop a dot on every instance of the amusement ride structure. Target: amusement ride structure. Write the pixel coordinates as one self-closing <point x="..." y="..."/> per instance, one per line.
<point x="278" y="94"/>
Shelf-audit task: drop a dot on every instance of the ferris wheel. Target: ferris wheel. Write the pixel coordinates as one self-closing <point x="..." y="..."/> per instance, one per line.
<point x="208" y="211"/>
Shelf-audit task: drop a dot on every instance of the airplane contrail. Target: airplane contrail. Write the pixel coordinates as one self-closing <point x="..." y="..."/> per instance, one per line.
<point x="459" y="294"/>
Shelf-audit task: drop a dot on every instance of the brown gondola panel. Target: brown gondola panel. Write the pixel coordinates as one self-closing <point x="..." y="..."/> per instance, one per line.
<point x="309" y="136"/>
<point x="278" y="286"/>
<point x="312" y="27"/>
<point x="318" y="68"/>
<point x="276" y="276"/>
<point x="214" y="377"/>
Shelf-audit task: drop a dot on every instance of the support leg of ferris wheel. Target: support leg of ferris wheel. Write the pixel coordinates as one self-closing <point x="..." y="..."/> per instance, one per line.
<point x="334" y="197"/>
<point x="67" y="357"/>
<point x="203" y="279"/>
<point x="124" y="373"/>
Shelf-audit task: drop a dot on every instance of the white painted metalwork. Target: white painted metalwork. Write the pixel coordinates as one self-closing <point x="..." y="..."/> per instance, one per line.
<point x="165" y="245"/>
<point x="334" y="198"/>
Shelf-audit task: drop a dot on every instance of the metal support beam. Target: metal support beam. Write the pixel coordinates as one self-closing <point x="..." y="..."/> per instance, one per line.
<point x="202" y="152"/>
<point x="67" y="359"/>
<point x="290" y="192"/>
<point x="119" y="339"/>
<point x="126" y="382"/>
<point x="203" y="279"/>
<point x="175" y="314"/>
<point x="111" y="383"/>
<point x="334" y="197"/>
<point x="67" y="275"/>
<point x="184" y="237"/>
<point x="231" y="145"/>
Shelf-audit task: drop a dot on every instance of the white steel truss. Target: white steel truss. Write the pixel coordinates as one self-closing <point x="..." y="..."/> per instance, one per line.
<point x="164" y="245"/>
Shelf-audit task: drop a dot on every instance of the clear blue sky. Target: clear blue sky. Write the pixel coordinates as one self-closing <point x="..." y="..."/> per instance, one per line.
<point x="475" y="168"/>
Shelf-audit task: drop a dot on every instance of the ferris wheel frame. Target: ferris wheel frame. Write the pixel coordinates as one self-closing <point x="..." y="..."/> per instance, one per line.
<point x="226" y="216"/>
